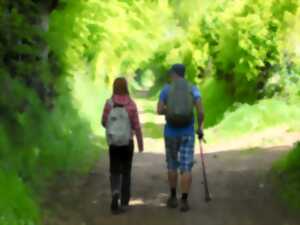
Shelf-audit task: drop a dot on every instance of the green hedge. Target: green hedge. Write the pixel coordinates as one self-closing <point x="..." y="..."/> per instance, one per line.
<point x="288" y="177"/>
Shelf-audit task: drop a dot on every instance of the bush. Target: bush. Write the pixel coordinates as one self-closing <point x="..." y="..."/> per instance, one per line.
<point x="288" y="177"/>
<point x="16" y="205"/>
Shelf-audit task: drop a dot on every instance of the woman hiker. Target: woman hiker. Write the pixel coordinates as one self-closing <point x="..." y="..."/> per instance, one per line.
<point x="121" y="121"/>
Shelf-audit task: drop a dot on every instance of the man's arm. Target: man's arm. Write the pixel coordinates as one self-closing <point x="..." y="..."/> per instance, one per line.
<point x="200" y="116"/>
<point x="161" y="108"/>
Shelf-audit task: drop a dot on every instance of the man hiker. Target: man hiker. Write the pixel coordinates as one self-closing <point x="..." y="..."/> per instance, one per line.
<point x="177" y="102"/>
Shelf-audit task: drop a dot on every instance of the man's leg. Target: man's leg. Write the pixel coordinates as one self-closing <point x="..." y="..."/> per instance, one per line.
<point x="172" y="164"/>
<point x="172" y="201"/>
<point x="186" y="165"/>
<point x="186" y="182"/>
<point x="173" y="180"/>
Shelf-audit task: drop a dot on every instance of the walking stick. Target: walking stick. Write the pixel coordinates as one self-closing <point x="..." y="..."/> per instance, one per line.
<point x="207" y="194"/>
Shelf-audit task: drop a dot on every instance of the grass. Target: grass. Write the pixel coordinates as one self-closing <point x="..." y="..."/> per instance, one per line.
<point x="287" y="172"/>
<point x="247" y="119"/>
<point x="147" y="107"/>
<point x="153" y="130"/>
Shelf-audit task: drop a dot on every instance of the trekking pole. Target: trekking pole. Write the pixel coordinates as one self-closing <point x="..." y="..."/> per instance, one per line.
<point x="207" y="194"/>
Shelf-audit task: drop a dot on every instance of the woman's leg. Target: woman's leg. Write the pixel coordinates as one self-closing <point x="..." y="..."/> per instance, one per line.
<point x="127" y="158"/>
<point x="115" y="176"/>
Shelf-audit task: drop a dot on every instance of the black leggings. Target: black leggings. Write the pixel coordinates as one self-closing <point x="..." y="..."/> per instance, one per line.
<point x="120" y="158"/>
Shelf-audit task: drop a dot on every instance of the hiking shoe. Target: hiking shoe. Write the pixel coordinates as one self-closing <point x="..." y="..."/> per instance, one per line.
<point x="172" y="203"/>
<point x="184" y="206"/>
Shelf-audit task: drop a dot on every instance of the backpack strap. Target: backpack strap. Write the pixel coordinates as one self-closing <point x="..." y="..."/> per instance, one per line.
<point x="113" y="104"/>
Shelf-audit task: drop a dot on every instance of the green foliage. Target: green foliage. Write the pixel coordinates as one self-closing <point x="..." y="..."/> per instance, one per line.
<point x="291" y="162"/>
<point x="90" y="97"/>
<point x="239" y="49"/>
<point x="216" y="100"/>
<point x="241" y="42"/>
<point x="189" y="10"/>
<point x="16" y="205"/>
<point x="288" y="176"/>
<point x="116" y="37"/>
<point x="41" y="133"/>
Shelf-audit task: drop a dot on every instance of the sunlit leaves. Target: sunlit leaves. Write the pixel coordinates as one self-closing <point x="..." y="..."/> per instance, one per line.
<point x="117" y="35"/>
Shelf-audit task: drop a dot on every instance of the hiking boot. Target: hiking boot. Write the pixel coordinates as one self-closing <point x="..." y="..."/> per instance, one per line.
<point x="172" y="203"/>
<point x="184" y="205"/>
<point x="115" y="207"/>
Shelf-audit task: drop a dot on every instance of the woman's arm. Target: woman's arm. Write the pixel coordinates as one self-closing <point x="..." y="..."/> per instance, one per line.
<point x="138" y="130"/>
<point x="105" y="113"/>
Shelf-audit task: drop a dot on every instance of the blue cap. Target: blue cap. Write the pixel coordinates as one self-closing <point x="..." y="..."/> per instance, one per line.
<point x="179" y="69"/>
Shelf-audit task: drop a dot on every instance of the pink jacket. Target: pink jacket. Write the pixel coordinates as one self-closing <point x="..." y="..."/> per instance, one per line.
<point x="133" y="116"/>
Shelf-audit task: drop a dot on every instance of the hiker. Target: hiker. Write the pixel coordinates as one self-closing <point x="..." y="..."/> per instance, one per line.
<point x="177" y="101"/>
<point x="121" y="120"/>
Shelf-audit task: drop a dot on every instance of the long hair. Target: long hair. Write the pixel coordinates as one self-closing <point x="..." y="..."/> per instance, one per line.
<point x="120" y="86"/>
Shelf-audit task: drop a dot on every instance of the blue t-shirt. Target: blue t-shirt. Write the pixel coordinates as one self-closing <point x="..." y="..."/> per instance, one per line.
<point x="177" y="132"/>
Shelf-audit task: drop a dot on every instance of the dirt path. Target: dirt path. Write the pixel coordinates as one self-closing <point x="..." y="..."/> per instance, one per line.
<point x="239" y="182"/>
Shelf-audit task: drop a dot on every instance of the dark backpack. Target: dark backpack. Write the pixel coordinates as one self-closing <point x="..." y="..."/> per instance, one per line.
<point x="180" y="104"/>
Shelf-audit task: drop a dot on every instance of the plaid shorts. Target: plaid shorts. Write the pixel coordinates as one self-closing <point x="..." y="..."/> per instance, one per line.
<point x="180" y="153"/>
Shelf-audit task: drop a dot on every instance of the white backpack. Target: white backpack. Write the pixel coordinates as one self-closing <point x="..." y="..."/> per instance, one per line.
<point x="118" y="129"/>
